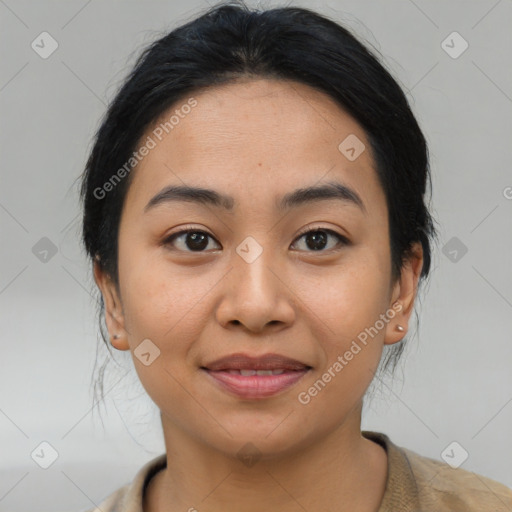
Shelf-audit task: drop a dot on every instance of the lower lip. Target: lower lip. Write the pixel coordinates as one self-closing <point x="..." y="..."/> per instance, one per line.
<point x="256" y="386"/>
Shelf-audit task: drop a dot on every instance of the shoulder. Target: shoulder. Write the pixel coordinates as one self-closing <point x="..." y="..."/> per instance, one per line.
<point x="421" y="484"/>
<point x="115" y="502"/>
<point x="441" y="487"/>
<point x="130" y="497"/>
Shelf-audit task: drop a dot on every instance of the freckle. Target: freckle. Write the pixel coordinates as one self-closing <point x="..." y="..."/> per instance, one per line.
<point x="259" y="164"/>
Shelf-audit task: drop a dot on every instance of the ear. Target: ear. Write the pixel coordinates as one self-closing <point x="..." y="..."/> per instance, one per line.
<point x="404" y="294"/>
<point x="114" y="317"/>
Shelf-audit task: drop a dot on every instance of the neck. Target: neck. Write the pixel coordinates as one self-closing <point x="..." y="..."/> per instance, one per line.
<point x="329" y="474"/>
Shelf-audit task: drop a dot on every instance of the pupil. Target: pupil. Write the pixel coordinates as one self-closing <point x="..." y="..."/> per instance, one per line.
<point x="319" y="239"/>
<point x="199" y="241"/>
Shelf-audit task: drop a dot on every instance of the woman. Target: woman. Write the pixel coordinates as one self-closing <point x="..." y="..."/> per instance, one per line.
<point x="254" y="207"/>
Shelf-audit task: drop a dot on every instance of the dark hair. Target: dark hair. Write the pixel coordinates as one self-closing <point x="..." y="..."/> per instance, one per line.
<point x="231" y="41"/>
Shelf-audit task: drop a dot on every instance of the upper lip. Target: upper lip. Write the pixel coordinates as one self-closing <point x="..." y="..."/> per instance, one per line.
<point x="264" y="362"/>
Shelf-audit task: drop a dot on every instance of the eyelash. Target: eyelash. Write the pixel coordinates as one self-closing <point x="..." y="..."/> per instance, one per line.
<point x="342" y="241"/>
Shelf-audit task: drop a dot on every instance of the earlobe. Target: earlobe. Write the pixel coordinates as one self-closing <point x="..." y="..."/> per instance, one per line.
<point x="119" y="342"/>
<point x="404" y="295"/>
<point x="114" y="317"/>
<point x="396" y="331"/>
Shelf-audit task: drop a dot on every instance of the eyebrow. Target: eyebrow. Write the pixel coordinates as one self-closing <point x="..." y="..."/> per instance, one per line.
<point x="299" y="197"/>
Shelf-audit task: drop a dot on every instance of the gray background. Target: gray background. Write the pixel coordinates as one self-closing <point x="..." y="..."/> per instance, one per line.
<point x="456" y="382"/>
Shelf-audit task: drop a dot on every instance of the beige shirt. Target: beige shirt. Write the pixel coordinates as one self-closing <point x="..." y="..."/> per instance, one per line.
<point x="414" y="484"/>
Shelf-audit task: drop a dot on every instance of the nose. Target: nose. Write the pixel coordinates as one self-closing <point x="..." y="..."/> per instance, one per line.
<point x="256" y="294"/>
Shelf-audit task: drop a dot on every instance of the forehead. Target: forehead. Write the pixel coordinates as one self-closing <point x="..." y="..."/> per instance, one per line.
<point x="256" y="140"/>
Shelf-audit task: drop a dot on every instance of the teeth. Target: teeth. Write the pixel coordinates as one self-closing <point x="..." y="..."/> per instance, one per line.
<point x="248" y="373"/>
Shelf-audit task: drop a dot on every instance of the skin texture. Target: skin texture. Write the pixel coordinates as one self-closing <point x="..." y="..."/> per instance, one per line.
<point x="256" y="140"/>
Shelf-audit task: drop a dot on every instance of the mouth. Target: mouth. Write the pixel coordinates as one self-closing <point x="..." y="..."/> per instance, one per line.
<point x="251" y="377"/>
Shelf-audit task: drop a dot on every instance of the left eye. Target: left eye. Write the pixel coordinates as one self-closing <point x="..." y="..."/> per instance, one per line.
<point x="316" y="239"/>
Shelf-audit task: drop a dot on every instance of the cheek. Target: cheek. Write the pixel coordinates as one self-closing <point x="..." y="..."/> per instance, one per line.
<point x="347" y="297"/>
<point x="151" y="295"/>
<point x="168" y="310"/>
<point x="165" y="304"/>
<point x="350" y="303"/>
<point x="349" y="331"/>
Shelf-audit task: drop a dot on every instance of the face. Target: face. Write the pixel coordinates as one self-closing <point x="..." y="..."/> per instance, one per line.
<point x="254" y="274"/>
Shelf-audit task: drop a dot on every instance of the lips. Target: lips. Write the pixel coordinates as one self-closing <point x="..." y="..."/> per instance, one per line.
<point x="265" y="362"/>
<point x="251" y="377"/>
